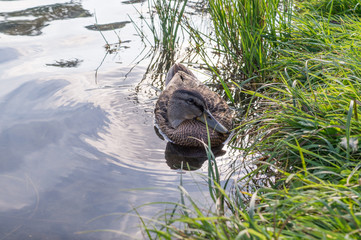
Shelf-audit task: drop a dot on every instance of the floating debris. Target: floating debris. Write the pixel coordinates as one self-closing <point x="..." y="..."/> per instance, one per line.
<point x="43" y="15"/>
<point x="133" y="1"/>
<point x="108" y="26"/>
<point x="66" y="63"/>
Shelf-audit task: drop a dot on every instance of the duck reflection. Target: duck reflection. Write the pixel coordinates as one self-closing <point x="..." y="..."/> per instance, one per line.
<point x="191" y="158"/>
<point x="188" y="158"/>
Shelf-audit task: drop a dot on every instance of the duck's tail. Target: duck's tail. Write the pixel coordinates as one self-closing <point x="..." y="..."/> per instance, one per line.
<point x="176" y="68"/>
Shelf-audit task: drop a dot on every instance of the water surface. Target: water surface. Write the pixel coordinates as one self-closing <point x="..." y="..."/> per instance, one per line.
<point x="78" y="152"/>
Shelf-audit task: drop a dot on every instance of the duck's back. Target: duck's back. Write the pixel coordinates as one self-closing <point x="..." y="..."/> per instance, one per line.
<point x="189" y="132"/>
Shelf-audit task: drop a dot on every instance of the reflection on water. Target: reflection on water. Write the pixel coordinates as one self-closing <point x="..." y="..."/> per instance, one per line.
<point x="28" y="129"/>
<point x="39" y="146"/>
<point x="8" y="54"/>
<point x="43" y="15"/>
<point x="108" y="26"/>
<point x="78" y="155"/>
<point x="55" y="175"/>
<point x="153" y="81"/>
<point x="188" y="158"/>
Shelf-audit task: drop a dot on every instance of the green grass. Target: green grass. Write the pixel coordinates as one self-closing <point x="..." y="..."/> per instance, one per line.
<point x="245" y="32"/>
<point x="164" y="23"/>
<point x="302" y="123"/>
<point x="163" y="20"/>
<point x="335" y="7"/>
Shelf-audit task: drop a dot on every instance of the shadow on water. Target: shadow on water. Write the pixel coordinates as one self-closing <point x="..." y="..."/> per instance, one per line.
<point x="43" y="15"/>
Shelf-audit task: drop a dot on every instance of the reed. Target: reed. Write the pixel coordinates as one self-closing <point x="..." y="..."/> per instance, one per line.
<point x="164" y="23"/>
<point x="302" y="124"/>
<point x="245" y="33"/>
<point x="335" y="7"/>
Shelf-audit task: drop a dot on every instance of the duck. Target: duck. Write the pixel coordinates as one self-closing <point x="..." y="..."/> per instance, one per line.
<point x="186" y="107"/>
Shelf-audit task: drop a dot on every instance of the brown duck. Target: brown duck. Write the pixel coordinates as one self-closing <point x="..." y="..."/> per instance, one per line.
<point x="186" y="105"/>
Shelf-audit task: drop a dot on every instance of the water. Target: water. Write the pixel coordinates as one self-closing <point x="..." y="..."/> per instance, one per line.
<point x="79" y="152"/>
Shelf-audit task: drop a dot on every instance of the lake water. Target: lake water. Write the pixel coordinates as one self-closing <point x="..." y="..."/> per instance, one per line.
<point x="79" y="152"/>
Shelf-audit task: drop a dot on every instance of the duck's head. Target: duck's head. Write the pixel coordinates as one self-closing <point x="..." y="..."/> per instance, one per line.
<point x="186" y="104"/>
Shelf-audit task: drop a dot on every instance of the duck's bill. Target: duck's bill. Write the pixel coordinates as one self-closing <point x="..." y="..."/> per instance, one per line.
<point x="207" y="118"/>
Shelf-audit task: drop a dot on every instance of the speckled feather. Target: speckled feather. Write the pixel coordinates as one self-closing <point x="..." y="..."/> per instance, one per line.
<point x="190" y="132"/>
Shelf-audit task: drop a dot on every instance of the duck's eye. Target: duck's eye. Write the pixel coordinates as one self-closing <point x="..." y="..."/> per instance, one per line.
<point x="190" y="100"/>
